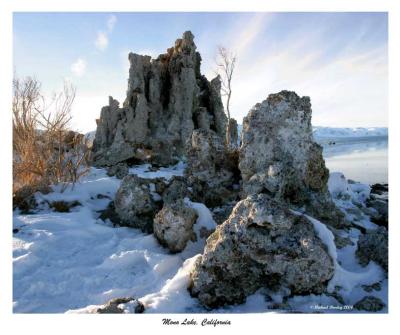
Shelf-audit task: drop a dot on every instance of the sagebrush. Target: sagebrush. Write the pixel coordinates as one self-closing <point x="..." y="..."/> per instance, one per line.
<point x="45" y="150"/>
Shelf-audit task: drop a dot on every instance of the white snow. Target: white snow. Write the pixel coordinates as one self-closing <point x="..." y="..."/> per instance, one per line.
<point x="146" y="171"/>
<point x="346" y="279"/>
<point x="339" y="187"/>
<point x="337" y="184"/>
<point x="350" y="197"/>
<point x="73" y="262"/>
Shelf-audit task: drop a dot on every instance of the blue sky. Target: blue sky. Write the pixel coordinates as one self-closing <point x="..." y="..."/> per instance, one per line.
<point x="338" y="59"/>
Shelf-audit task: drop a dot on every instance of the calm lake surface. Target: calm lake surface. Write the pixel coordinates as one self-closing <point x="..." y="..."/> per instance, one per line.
<point x="360" y="159"/>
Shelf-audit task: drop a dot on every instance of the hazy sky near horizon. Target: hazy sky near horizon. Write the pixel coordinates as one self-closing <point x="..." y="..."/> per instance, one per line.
<point x="338" y="59"/>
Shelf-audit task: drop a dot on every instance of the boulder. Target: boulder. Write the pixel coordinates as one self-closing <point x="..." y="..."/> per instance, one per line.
<point x="261" y="245"/>
<point x="167" y="98"/>
<point x="378" y="201"/>
<point x="173" y="225"/>
<point x="278" y="156"/>
<point x="176" y="189"/>
<point x="24" y="198"/>
<point x="64" y="206"/>
<point x="370" y="304"/>
<point x="119" y="170"/>
<point x="135" y="204"/>
<point x="120" y="305"/>
<point x="211" y="170"/>
<point x="373" y="246"/>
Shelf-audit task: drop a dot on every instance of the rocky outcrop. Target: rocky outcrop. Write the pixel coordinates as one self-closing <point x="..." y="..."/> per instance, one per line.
<point x="119" y="170"/>
<point x="278" y="156"/>
<point x="173" y="226"/>
<point x="379" y="202"/>
<point x="135" y="203"/>
<point x="370" y="304"/>
<point x="176" y="189"/>
<point x="262" y="244"/>
<point x="120" y="305"/>
<point x="373" y="246"/>
<point x="167" y="98"/>
<point x="24" y="198"/>
<point x="233" y="133"/>
<point x="211" y="169"/>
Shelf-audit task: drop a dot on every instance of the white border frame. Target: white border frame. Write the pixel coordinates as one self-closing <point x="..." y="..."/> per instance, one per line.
<point x="99" y="324"/>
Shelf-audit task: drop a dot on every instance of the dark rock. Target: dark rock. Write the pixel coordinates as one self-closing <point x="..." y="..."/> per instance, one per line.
<point x="110" y="214"/>
<point x="369" y="304"/>
<point x="221" y="214"/>
<point x="119" y="170"/>
<point x="381" y="217"/>
<point x="373" y="287"/>
<point x="64" y="206"/>
<point x="102" y="196"/>
<point x="380" y="189"/>
<point x="176" y="189"/>
<point x="134" y="203"/>
<point x="373" y="246"/>
<point x="212" y="169"/>
<point x="112" y="307"/>
<point x="24" y="198"/>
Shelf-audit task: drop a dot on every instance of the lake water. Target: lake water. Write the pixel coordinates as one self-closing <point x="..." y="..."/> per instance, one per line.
<point x="361" y="159"/>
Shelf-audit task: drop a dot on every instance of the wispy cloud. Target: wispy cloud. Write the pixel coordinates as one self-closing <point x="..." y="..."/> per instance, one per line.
<point x="250" y="32"/>
<point x="111" y="22"/>
<point x="102" y="38"/>
<point x="101" y="41"/>
<point x="78" y="68"/>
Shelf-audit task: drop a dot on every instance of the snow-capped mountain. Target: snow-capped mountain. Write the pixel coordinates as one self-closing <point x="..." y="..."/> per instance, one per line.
<point x="349" y="132"/>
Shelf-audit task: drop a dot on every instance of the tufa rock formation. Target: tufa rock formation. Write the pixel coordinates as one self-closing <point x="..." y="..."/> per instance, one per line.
<point x="373" y="246"/>
<point x="279" y="157"/>
<point x="119" y="305"/>
<point x="173" y="225"/>
<point x="211" y="169"/>
<point x="262" y="244"/>
<point x="119" y="170"/>
<point x="167" y="98"/>
<point x="136" y="204"/>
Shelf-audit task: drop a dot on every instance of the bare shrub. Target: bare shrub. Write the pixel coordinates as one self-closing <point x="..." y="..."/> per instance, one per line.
<point x="45" y="150"/>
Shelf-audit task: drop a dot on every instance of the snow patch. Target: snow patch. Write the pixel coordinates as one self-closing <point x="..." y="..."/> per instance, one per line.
<point x="343" y="278"/>
<point x="146" y="171"/>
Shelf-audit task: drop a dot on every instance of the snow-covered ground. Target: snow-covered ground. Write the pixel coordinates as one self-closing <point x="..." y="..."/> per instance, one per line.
<point x="72" y="262"/>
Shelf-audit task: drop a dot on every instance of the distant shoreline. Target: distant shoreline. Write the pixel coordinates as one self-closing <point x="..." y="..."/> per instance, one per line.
<point x="325" y="140"/>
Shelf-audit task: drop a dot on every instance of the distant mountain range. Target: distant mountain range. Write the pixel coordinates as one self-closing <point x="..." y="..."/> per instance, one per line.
<point x="320" y="132"/>
<point x="328" y="132"/>
<point x="344" y="132"/>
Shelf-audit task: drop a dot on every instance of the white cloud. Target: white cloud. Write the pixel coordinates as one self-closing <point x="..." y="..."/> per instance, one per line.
<point x="78" y="68"/>
<point x="102" y="37"/>
<point x="247" y="34"/>
<point x="111" y="22"/>
<point x="101" y="41"/>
